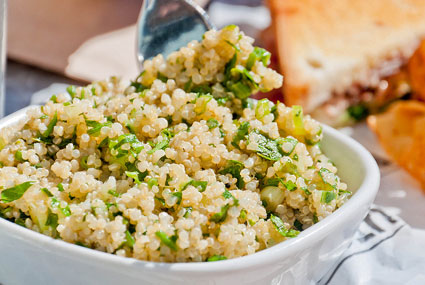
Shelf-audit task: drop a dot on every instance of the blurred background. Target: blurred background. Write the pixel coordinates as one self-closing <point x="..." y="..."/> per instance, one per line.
<point x="78" y="41"/>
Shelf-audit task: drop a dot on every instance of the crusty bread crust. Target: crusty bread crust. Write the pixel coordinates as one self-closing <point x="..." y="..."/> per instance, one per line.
<point x="326" y="46"/>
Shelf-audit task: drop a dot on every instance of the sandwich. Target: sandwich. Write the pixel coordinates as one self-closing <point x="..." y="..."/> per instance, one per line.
<point x="344" y="59"/>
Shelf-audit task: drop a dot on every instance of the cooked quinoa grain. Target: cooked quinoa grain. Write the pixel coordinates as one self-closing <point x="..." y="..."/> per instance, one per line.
<point x="180" y="165"/>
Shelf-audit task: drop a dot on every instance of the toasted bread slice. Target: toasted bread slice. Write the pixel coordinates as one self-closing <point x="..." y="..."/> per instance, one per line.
<point x="327" y="46"/>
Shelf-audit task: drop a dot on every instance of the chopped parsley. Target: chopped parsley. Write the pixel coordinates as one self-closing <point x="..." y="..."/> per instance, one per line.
<point x="268" y="148"/>
<point x="234" y="168"/>
<point x="220" y="216"/>
<point x="240" y="134"/>
<point x="14" y="193"/>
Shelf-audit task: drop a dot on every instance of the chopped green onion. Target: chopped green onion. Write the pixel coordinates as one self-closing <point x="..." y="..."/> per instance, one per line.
<point x="263" y="108"/>
<point x="233" y="45"/>
<point x="50" y="126"/>
<point x="280" y="227"/>
<point x="129" y="239"/>
<point x="297" y="116"/>
<point x="258" y="54"/>
<point x="72" y="90"/>
<point x="170" y="242"/>
<point x="47" y="192"/>
<point x="329" y="178"/>
<point x="216" y="258"/>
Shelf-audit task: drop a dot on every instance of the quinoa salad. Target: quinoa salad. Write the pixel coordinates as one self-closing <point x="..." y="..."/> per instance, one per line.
<point x="179" y="165"/>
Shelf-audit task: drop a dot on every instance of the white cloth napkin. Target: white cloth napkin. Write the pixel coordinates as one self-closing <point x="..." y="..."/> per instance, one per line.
<point x="385" y="250"/>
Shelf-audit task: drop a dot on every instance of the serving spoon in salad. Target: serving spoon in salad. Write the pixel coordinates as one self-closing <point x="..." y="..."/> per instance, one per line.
<point x="166" y="25"/>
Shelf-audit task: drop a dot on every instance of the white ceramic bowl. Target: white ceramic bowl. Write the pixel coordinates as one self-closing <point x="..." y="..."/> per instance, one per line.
<point x="27" y="257"/>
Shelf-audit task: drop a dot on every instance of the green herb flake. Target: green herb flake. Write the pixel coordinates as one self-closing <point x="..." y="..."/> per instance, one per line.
<point x="268" y="148"/>
<point x="216" y="258"/>
<point x="129" y="239"/>
<point x="234" y="168"/>
<point x="83" y="163"/>
<point x="152" y="182"/>
<point x="18" y="156"/>
<point x="14" y="193"/>
<point x="137" y="176"/>
<point x="326" y="175"/>
<point x="201" y="185"/>
<point x="162" y="77"/>
<point x="280" y="227"/>
<point x="233" y="45"/>
<point x="50" y="126"/>
<point x="113" y="193"/>
<point x="187" y="212"/>
<point x="212" y="123"/>
<point x="60" y="187"/>
<point x="160" y="200"/>
<point x="297" y="116"/>
<point x="263" y="108"/>
<point x="179" y="196"/>
<point x="95" y="127"/>
<point x="220" y="216"/>
<point x="72" y="91"/>
<point x="327" y="196"/>
<point x="258" y="54"/>
<point x="170" y="242"/>
<point x="240" y="134"/>
<point x="163" y="144"/>
<point x="55" y="203"/>
<point x="291" y="186"/>
<point x="290" y="144"/>
<point x="47" y="192"/>
<point x="228" y="195"/>
<point x="52" y="220"/>
<point x="298" y="225"/>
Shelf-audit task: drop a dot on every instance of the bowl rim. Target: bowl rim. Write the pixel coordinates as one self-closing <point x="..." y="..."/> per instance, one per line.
<point x="365" y="194"/>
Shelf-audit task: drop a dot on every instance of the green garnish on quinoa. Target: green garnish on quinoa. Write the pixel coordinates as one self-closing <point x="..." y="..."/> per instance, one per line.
<point x="178" y="165"/>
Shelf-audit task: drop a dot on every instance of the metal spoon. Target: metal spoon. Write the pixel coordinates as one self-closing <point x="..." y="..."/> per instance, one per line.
<point x="165" y="26"/>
